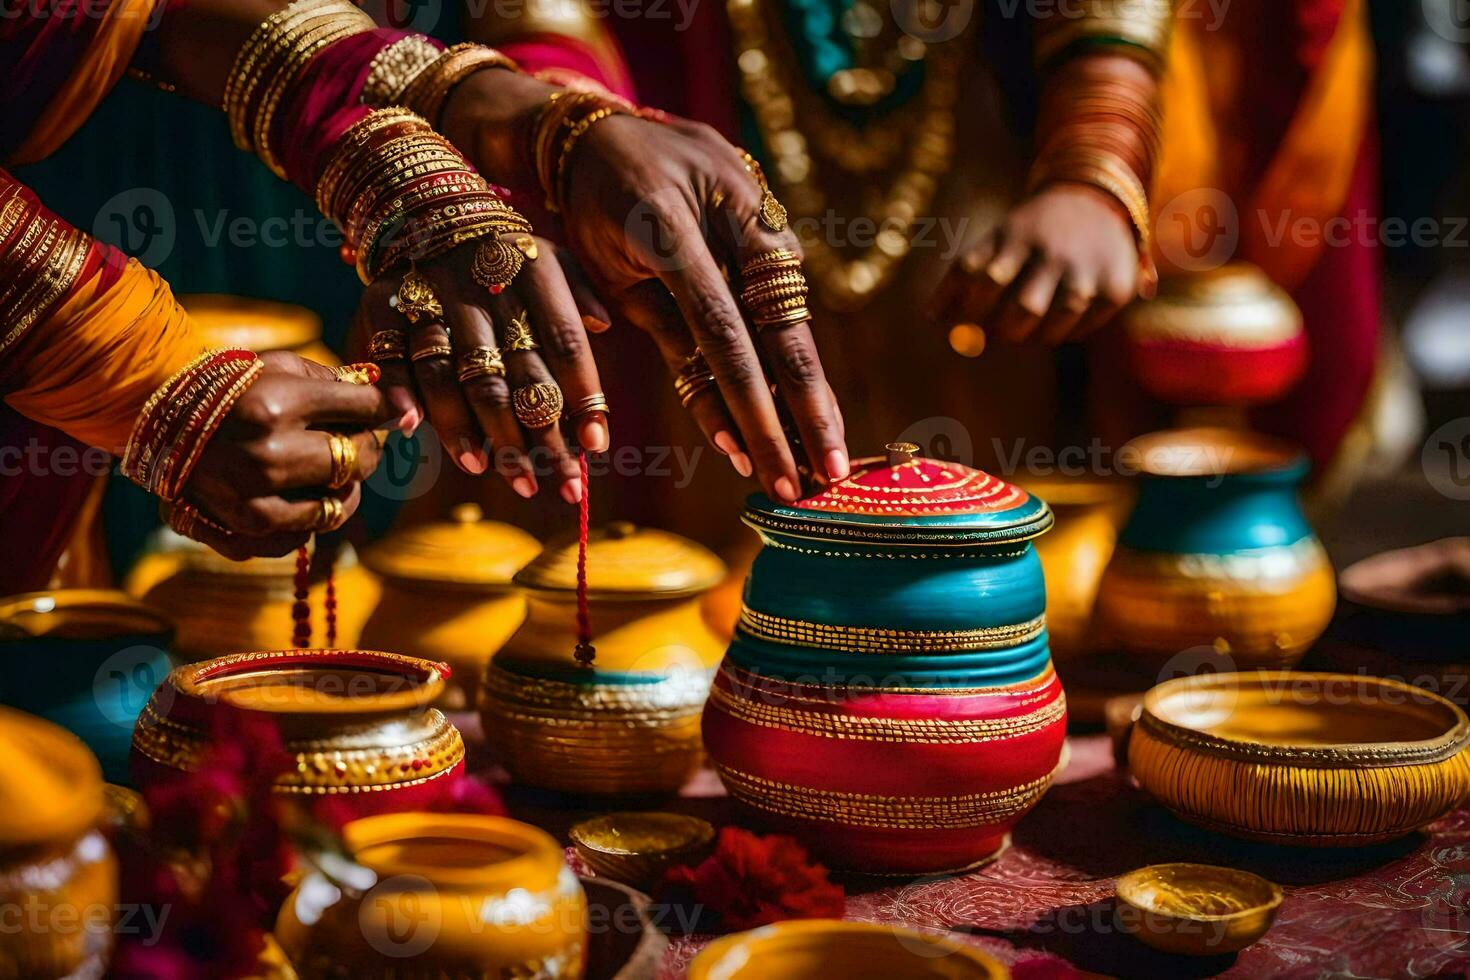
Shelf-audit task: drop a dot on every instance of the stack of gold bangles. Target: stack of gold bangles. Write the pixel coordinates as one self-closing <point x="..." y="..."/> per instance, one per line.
<point x="564" y="120"/>
<point x="182" y="415"/>
<point x="775" y="289"/>
<point x="270" y="63"/>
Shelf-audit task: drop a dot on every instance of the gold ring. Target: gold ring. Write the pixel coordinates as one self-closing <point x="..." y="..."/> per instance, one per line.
<point x="772" y="213"/>
<point x="537" y="405"/>
<point x="416" y="300"/>
<point x="527" y="246"/>
<point x="433" y="350"/>
<point x="333" y="515"/>
<point x="595" y="402"/>
<point x="716" y="198"/>
<point x="518" y="334"/>
<point x="479" y="361"/>
<point x="388" y="345"/>
<point x="496" y="264"/>
<point x="344" y="460"/>
<point x="357" y="374"/>
<point x="692" y="377"/>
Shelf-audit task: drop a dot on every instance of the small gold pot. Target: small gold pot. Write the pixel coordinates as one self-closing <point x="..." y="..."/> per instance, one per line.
<point x="221" y="607"/>
<point x="1089" y="512"/>
<point x="57" y="871"/>
<point x="1196" y="909"/>
<point x="447" y="595"/>
<point x="630" y="723"/>
<point x="456" y="896"/>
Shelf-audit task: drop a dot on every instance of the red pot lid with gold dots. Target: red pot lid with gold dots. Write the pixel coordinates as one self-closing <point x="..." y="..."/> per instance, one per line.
<point x="905" y="498"/>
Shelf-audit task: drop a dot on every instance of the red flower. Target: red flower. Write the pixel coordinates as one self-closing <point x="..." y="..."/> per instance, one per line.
<point x="752" y="881"/>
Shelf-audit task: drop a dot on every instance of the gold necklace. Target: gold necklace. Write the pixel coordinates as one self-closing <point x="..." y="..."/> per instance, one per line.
<point x="795" y="129"/>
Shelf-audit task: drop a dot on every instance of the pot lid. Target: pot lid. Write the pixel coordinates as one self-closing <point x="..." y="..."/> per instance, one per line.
<point x="1236" y="305"/>
<point x="625" y="561"/>
<point x="79" y="614"/>
<point x="255" y="324"/>
<point x="50" y="785"/>
<point x="908" y="499"/>
<point x="466" y="550"/>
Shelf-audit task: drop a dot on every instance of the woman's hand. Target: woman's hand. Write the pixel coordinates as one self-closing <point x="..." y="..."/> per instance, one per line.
<point x="1060" y="265"/>
<point x="261" y="480"/>
<point x="659" y="212"/>
<point x="476" y="412"/>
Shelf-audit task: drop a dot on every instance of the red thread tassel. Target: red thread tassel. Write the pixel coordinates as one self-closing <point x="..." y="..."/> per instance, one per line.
<point x="585" y="652"/>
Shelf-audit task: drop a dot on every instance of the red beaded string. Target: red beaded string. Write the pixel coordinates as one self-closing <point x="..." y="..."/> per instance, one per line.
<point x="301" y="609"/>
<point x="585" y="652"/>
<point x="332" y="605"/>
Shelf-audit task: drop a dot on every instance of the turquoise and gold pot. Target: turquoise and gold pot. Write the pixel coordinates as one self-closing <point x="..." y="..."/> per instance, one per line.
<point x="1217" y="553"/>
<point x="889" y="695"/>
<point x="629" y="724"/>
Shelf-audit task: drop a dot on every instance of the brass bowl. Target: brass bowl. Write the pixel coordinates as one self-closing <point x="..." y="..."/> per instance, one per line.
<point x="1321" y="760"/>
<point x="816" y="949"/>
<point x="637" y="848"/>
<point x="1196" y="909"/>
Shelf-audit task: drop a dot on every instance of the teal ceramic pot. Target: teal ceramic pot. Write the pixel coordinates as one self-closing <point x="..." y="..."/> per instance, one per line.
<point x="888" y="695"/>
<point x="1217" y="554"/>
<point x="87" y="660"/>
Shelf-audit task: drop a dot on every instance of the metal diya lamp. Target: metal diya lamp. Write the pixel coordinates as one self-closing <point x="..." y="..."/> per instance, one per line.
<point x="1216" y="554"/>
<point x="628" y="723"/>
<point x="1196" y="909"/>
<point x="360" y="723"/>
<point x="889" y="695"/>
<point x="637" y="848"/>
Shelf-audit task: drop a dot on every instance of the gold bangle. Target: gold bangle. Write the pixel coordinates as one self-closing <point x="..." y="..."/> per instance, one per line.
<point x="430" y="89"/>
<point x="538" y="405"/>
<point x="395" y="67"/>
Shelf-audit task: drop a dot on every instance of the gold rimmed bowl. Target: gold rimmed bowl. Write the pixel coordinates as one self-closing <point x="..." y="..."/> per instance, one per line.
<point x="637" y="848"/>
<point x="1196" y="909"/>
<point x="1321" y="760"/>
<point x="817" y="949"/>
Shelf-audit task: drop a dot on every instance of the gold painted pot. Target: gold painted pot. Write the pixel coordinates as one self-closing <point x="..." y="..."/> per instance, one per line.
<point x="456" y="896"/>
<point x="1089" y="511"/>
<point x="360" y="723"/>
<point x="819" y="949"/>
<point x="447" y="595"/>
<point x="630" y="723"/>
<point x="1216" y="554"/>
<point x="221" y="607"/>
<point x="1321" y="760"/>
<point x="259" y="325"/>
<point x="1196" y="909"/>
<point x="58" y="877"/>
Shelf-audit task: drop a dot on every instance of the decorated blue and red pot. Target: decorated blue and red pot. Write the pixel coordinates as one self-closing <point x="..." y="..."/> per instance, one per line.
<point x="889" y="696"/>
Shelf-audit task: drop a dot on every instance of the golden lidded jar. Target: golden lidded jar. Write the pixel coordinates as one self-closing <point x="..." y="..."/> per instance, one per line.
<point x="447" y="594"/>
<point x="58" y="876"/>
<point x="629" y="723"/>
<point x="455" y="895"/>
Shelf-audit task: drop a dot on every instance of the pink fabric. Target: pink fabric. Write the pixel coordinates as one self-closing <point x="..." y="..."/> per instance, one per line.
<point x="553" y="55"/>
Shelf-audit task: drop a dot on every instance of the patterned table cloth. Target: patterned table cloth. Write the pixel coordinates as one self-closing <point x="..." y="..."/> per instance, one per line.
<point x="1045" y="906"/>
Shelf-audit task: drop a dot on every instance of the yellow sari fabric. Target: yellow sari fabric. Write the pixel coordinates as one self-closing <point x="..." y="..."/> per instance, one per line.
<point x="91" y="364"/>
<point x="1311" y="171"/>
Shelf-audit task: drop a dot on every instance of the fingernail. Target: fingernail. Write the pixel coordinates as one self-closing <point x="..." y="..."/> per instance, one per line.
<point x="786" y="490"/>
<point x="726" y="444"/>
<point x="741" y="462"/>
<point x="472" y="461"/>
<point x="837" y="466"/>
<point x="595" y="324"/>
<point x="594" y="435"/>
<point x="571" y="491"/>
<point x="524" y="486"/>
<point x="409" y="423"/>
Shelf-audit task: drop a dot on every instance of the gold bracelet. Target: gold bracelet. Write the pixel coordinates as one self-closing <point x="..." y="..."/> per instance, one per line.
<point x="396" y="66"/>
<point x="429" y="90"/>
